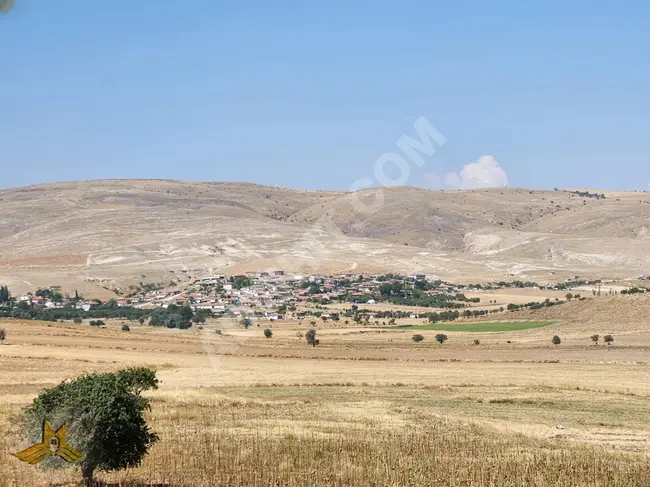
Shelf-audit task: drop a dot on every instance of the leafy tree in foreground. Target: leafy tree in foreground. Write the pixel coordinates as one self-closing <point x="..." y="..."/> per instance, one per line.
<point x="268" y="333"/>
<point x="246" y="323"/>
<point x="595" y="338"/>
<point x="609" y="339"/>
<point x="417" y="338"/>
<point x="556" y="340"/>
<point x="310" y="336"/>
<point x="441" y="338"/>
<point x="104" y="418"/>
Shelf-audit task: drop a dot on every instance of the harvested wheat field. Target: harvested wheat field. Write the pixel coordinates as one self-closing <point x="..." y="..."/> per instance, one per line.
<point x="367" y="407"/>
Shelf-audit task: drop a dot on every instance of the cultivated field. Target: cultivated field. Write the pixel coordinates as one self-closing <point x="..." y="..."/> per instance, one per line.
<point x="367" y="407"/>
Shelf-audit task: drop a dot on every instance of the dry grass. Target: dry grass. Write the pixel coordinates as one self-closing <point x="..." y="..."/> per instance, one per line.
<point x="362" y="409"/>
<point x="101" y="234"/>
<point x="252" y="443"/>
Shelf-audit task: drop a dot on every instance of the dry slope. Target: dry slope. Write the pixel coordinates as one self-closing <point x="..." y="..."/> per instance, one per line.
<point x="110" y="233"/>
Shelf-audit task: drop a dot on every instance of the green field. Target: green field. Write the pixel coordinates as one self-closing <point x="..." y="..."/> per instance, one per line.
<point x="480" y="326"/>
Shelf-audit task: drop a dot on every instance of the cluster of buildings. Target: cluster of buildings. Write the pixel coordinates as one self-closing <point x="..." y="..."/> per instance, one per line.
<point x="272" y="292"/>
<point x="267" y="295"/>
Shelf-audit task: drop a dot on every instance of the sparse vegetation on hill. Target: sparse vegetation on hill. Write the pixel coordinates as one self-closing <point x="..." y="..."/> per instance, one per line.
<point x="496" y="232"/>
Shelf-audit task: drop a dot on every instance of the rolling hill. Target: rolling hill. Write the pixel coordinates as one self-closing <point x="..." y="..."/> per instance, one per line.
<point x="106" y="234"/>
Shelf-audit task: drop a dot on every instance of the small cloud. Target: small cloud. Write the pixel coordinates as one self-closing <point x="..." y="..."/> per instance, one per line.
<point x="484" y="173"/>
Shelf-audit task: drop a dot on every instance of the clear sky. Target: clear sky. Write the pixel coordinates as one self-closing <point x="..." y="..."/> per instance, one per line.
<point x="309" y="94"/>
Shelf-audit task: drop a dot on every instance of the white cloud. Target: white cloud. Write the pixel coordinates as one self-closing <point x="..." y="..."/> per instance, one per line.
<point x="484" y="173"/>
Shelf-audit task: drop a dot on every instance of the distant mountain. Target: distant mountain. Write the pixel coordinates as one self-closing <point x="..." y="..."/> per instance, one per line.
<point x="116" y="233"/>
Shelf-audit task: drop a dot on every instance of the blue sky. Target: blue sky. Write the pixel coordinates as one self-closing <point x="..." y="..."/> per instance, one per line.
<point x="310" y="94"/>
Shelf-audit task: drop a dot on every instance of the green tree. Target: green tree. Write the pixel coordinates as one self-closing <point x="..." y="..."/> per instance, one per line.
<point x="268" y="333"/>
<point x="104" y="414"/>
<point x="556" y="340"/>
<point x="310" y="336"/>
<point x="569" y="296"/>
<point x="186" y="312"/>
<point x="417" y="338"/>
<point x="595" y="338"/>
<point x="441" y="338"/>
<point x="3" y="335"/>
<point x="609" y="339"/>
<point x="4" y="294"/>
<point x="246" y="323"/>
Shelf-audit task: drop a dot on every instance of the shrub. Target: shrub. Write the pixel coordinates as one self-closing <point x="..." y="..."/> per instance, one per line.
<point x="77" y="321"/>
<point x="141" y="321"/>
<point x="310" y="336"/>
<point x="126" y="328"/>
<point x="477" y="341"/>
<point x="96" y="323"/>
<point x="609" y="339"/>
<point x="246" y="323"/>
<point x="217" y="331"/>
<point x="441" y="338"/>
<point x="268" y="333"/>
<point x="104" y="418"/>
<point x="3" y="335"/>
<point x="556" y="340"/>
<point x="595" y="338"/>
<point x="417" y="338"/>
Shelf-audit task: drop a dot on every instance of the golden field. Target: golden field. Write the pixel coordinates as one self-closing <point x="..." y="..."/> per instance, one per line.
<point x="367" y="407"/>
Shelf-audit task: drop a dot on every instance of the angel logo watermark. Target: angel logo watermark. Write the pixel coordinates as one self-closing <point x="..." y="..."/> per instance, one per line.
<point x="54" y="444"/>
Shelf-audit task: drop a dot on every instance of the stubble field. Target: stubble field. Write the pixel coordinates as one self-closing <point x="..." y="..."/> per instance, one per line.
<point x="367" y="407"/>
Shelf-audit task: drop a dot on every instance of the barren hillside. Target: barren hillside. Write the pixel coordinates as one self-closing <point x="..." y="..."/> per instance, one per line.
<point x="90" y="235"/>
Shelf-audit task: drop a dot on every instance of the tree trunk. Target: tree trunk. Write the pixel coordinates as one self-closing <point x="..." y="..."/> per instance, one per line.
<point x="87" y="474"/>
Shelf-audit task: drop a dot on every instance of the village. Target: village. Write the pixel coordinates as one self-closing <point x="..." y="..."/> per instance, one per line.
<point x="266" y="295"/>
<point x="274" y="296"/>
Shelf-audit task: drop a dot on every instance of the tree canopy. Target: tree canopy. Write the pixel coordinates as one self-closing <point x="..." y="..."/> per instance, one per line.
<point x="104" y="418"/>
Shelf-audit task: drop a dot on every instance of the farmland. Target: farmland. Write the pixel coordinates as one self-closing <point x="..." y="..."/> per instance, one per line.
<point x="366" y="406"/>
<point x="481" y="326"/>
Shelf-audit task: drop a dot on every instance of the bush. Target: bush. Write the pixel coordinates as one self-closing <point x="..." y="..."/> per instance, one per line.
<point x="441" y="338"/>
<point x="310" y="336"/>
<point x="477" y="341"/>
<point x="126" y="328"/>
<point x="595" y="338"/>
<point x="104" y="418"/>
<point x="556" y="340"/>
<point x="609" y="339"/>
<point x="268" y="333"/>
<point x="77" y="321"/>
<point x="96" y="323"/>
<point x="246" y="323"/>
<point x="217" y="331"/>
<point x="417" y="338"/>
<point x="3" y="335"/>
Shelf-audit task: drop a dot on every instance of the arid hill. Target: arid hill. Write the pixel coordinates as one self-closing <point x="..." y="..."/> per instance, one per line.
<point x="107" y="234"/>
